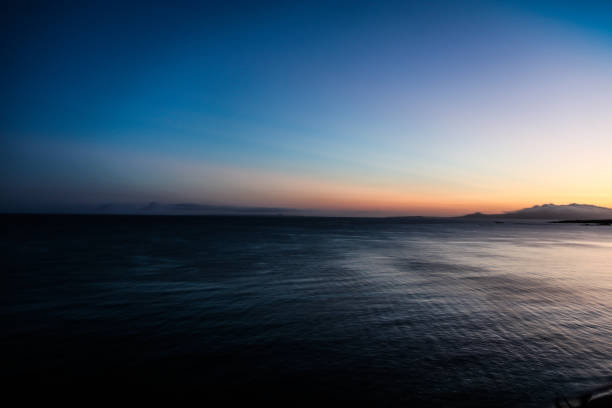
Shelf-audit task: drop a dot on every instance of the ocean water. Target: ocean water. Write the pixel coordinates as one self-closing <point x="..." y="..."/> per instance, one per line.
<point x="283" y="310"/>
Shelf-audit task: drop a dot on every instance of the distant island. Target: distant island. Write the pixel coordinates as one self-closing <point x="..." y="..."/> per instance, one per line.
<point x="567" y="213"/>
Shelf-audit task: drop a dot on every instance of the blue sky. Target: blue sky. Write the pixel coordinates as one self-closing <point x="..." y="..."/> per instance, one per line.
<point x="396" y="107"/>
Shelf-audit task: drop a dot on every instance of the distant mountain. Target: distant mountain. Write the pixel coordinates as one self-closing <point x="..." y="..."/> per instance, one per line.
<point x="156" y="208"/>
<point x="193" y="208"/>
<point x="552" y="212"/>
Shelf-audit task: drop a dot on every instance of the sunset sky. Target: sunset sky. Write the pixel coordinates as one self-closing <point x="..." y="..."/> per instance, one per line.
<point x="429" y="108"/>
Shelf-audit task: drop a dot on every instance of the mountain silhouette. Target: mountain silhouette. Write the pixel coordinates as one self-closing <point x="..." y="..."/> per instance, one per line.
<point x="552" y="212"/>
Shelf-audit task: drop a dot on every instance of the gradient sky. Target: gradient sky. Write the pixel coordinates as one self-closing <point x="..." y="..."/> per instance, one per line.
<point x="431" y="108"/>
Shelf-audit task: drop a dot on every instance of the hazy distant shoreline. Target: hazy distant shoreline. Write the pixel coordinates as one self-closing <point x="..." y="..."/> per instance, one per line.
<point x="546" y="212"/>
<point x="597" y="222"/>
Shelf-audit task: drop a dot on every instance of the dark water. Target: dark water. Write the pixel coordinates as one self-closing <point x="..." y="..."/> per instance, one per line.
<point x="291" y="311"/>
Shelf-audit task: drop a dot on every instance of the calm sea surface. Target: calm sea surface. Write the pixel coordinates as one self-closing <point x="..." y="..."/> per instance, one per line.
<point x="377" y="312"/>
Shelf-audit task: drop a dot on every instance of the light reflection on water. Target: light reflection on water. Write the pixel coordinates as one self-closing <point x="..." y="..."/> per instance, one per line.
<point x="377" y="311"/>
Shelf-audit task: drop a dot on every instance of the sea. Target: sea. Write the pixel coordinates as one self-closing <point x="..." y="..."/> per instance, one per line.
<point x="288" y="311"/>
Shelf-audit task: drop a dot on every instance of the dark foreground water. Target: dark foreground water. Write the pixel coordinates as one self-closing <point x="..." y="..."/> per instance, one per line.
<point x="291" y="311"/>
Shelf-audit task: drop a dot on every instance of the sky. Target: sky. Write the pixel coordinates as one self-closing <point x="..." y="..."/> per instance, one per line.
<point x="380" y="107"/>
